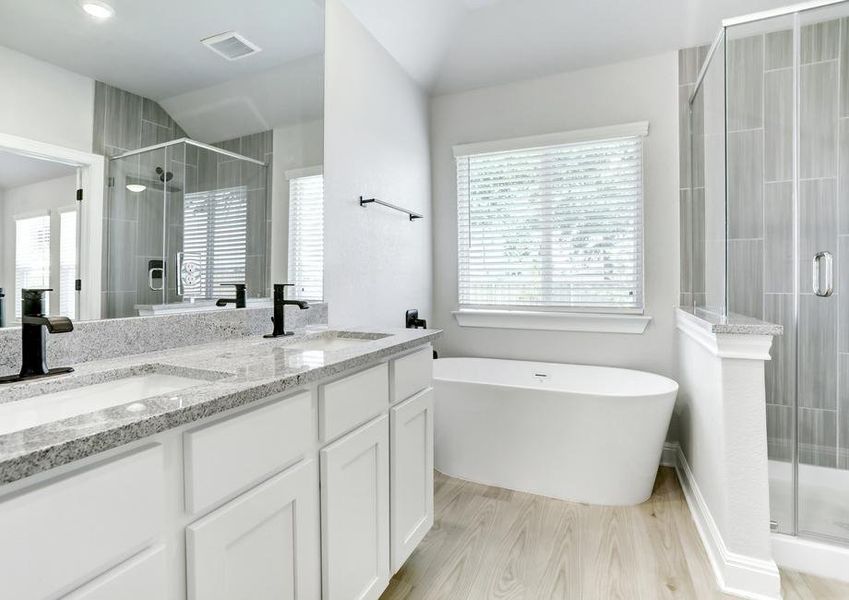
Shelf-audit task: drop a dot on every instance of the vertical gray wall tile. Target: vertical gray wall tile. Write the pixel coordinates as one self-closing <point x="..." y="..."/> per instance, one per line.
<point x="817" y="225"/>
<point x="820" y="41"/>
<point x="818" y="125"/>
<point x="778" y="125"/>
<point x="778" y="237"/>
<point x="843" y="411"/>
<point x="818" y="437"/>
<point x="745" y="184"/>
<point x="843" y="183"/>
<point x="685" y="239"/>
<point x="778" y="53"/>
<point x="779" y="431"/>
<point x="781" y="370"/>
<point x="817" y="352"/>
<point x="699" y="240"/>
<point x="844" y="67"/>
<point x="744" y="83"/>
<point x="842" y="286"/>
<point x="745" y="277"/>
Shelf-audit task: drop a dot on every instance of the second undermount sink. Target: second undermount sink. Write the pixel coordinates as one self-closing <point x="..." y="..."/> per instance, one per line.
<point x="334" y="340"/>
<point x="17" y="415"/>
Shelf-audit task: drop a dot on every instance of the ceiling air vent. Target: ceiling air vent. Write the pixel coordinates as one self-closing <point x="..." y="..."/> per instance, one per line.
<point x="230" y="45"/>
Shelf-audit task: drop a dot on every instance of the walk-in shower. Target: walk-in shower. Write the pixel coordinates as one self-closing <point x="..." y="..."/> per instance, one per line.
<point x="768" y="231"/>
<point x="184" y="220"/>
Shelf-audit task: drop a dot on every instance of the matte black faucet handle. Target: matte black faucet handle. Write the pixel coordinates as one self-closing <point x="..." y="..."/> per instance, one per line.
<point x="32" y="301"/>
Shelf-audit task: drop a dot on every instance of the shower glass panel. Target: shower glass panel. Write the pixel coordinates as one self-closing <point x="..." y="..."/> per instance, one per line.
<point x="185" y="220"/>
<point x="785" y="130"/>
<point x="707" y="191"/>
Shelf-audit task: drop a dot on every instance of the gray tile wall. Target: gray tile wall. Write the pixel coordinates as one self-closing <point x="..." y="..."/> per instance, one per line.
<point x="761" y="227"/>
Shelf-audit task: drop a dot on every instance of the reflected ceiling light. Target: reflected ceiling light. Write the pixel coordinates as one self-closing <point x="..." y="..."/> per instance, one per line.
<point x="98" y="10"/>
<point x="136" y="188"/>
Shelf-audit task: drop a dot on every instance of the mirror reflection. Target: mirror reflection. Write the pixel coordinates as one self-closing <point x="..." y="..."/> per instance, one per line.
<point x="211" y="134"/>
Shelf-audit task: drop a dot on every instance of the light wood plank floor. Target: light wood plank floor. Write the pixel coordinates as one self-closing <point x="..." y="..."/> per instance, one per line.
<point x="494" y="544"/>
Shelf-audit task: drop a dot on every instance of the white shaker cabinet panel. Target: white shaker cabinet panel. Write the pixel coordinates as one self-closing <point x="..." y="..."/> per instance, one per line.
<point x="411" y="475"/>
<point x="412" y="373"/>
<point x="346" y="403"/>
<point x="264" y="545"/>
<point x="143" y="577"/>
<point x="64" y="532"/>
<point x="355" y="514"/>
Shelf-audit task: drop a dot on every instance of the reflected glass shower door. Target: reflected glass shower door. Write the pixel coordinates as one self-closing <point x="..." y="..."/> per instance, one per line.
<point x="136" y="268"/>
<point x="822" y="230"/>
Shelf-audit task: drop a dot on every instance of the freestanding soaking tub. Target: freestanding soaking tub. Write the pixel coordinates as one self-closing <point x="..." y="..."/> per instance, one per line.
<point x="580" y="433"/>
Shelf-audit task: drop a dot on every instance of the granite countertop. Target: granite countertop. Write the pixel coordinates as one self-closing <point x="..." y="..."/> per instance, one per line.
<point x="239" y="372"/>
<point x="732" y="324"/>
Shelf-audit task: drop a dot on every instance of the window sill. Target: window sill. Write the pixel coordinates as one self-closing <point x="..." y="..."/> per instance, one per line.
<point x="552" y="321"/>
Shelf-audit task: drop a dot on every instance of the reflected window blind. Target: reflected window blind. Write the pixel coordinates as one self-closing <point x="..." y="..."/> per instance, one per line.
<point x="32" y="258"/>
<point x="551" y="227"/>
<point x="215" y="237"/>
<point x="306" y="236"/>
<point x="67" y="263"/>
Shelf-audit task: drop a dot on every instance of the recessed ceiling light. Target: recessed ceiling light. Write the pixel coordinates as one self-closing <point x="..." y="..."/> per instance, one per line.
<point x="96" y="9"/>
<point x="136" y="188"/>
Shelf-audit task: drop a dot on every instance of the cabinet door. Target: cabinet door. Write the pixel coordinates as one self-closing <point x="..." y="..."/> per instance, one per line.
<point x="141" y="578"/>
<point x="262" y="545"/>
<point x="411" y="475"/>
<point x="355" y="514"/>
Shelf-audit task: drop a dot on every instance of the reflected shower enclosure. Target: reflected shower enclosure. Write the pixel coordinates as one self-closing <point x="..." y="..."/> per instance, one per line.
<point x="183" y="221"/>
<point x="766" y="235"/>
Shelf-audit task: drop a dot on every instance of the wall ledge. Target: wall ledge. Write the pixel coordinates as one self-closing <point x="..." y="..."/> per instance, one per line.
<point x="552" y="321"/>
<point x="743" y="345"/>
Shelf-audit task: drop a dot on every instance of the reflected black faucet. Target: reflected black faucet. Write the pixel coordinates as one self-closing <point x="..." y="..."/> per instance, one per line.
<point x="33" y="336"/>
<point x="280" y="304"/>
<point x="239" y="300"/>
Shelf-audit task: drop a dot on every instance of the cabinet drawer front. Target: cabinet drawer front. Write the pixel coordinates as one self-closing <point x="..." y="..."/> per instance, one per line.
<point x="140" y="578"/>
<point x="412" y="373"/>
<point x="63" y="533"/>
<point x="351" y="401"/>
<point x="263" y="544"/>
<point x="227" y="457"/>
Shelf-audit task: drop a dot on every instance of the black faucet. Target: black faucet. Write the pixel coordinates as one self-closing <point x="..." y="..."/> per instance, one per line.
<point x="280" y="304"/>
<point x="239" y="300"/>
<point x="33" y="338"/>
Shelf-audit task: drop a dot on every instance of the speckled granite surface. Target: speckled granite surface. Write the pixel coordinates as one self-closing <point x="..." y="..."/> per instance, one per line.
<point x="96" y="340"/>
<point x="733" y="324"/>
<point x="239" y="371"/>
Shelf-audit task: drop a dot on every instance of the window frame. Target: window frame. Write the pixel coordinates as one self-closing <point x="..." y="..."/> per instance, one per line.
<point x="561" y="318"/>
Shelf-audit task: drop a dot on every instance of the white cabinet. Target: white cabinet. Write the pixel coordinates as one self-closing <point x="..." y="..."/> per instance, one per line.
<point x="355" y="513"/>
<point x="264" y="545"/>
<point x="140" y="578"/>
<point x="411" y="475"/>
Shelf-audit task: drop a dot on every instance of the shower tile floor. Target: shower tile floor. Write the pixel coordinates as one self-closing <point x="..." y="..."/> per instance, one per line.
<point x="823" y="499"/>
<point x="489" y="543"/>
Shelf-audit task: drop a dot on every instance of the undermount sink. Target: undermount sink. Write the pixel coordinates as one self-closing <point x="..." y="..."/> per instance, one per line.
<point x="17" y="415"/>
<point x="334" y="340"/>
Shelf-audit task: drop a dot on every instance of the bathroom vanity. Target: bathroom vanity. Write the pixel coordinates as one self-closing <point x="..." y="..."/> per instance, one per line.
<point x="251" y="468"/>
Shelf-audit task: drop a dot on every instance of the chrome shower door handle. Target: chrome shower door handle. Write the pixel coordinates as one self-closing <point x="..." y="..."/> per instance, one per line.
<point x="179" y="273"/>
<point x="823" y="259"/>
<point x="150" y="278"/>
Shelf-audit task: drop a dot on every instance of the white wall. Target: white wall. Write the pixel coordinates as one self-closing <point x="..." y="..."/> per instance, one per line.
<point x="295" y="147"/>
<point x="378" y="263"/>
<point x="644" y="89"/>
<point x="27" y="200"/>
<point x="46" y="103"/>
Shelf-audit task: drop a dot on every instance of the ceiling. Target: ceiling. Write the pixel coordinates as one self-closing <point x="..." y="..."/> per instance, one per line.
<point x="17" y="170"/>
<point x="454" y="45"/>
<point x="152" y="47"/>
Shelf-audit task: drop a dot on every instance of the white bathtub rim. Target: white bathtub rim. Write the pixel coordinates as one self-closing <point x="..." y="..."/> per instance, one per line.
<point x="672" y="388"/>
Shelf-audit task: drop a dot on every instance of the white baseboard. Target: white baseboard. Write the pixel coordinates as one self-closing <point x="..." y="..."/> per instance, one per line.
<point x="809" y="556"/>
<point x="736" y="574"/>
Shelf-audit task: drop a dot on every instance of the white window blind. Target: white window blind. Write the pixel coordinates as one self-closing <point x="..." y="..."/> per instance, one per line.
<point x="67" y="263"/>
<point x="32" y="257"/>
<point x="306" y="235"/>
<point x="557" y="226"/>
<point x="215" y="232"/>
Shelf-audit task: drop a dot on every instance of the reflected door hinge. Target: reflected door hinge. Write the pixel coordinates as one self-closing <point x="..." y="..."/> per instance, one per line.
<point x="80" y="195"/>
<point x="78" y="285"/>
<point x="110" y="182"/>
<point x="773" y="525"/>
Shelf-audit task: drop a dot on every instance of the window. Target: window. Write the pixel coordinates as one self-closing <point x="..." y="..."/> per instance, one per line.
<point x="306" y="232"/>
<point x="67" y="263"/>
<point x="32" y="257"/>
<point x="215" y="240"/>
<point x="552" y="222"/>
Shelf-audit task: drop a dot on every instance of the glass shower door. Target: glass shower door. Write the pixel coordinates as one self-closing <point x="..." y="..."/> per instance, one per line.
<point x="822" y="230"/>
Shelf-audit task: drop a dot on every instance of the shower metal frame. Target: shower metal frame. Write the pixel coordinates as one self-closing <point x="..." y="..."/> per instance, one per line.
<point x="191" y="142"/>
